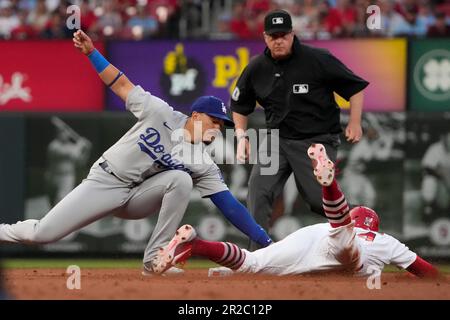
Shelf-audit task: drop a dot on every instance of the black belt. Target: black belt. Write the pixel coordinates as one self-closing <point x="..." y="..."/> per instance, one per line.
<point x="104" y="165"/>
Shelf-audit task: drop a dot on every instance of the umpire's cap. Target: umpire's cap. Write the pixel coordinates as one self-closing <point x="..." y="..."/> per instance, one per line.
<point x="213" y="107"/>
<point x="277" y="21"/>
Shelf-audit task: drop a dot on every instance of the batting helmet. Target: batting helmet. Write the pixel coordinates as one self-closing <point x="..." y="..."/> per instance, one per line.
<point x="365" y="218"/>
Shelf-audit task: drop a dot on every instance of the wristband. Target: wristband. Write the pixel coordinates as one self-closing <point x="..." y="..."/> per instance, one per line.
<point x="98" y="61"/>
<point x="115" y="79"/>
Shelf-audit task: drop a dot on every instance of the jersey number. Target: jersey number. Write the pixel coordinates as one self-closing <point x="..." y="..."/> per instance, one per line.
<point x="369" y="236"/>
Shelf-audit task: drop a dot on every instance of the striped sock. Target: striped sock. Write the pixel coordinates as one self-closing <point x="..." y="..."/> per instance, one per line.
<point x="335" y="205"/>
<point x="224" y="253"/>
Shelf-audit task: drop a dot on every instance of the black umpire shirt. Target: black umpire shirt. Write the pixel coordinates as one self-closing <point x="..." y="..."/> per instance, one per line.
<point x="296" y="93"/>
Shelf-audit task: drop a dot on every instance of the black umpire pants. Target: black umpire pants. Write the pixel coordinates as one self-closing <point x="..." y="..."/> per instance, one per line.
<point x="292" y="157"/>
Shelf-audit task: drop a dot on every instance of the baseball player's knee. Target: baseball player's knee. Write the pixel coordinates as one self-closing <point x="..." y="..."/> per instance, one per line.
<point x="349" y="257"/>
<point x="315" y="203"/>
<point x="317" y="208"/>
<point x="344" y="246"/>
<point x="39" y="235"/>
<point x="253" y="179"/>
<point x="257" y="188"/>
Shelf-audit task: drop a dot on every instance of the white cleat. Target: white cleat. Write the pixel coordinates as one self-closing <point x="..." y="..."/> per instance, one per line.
<point x="173" y="271"/>
<point x="323" y="166"/>
<point x="175" y="252"/>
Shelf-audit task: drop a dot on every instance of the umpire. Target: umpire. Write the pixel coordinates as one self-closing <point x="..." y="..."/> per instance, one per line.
<point x="294" y="83"/>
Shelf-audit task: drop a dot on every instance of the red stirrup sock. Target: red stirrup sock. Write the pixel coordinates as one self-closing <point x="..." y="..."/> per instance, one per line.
<point x="224" y="253"/>
<point x="335" y="205"/>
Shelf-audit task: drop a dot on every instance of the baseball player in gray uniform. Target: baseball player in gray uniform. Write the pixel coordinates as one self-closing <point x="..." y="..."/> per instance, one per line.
<point x="147" y="171"/>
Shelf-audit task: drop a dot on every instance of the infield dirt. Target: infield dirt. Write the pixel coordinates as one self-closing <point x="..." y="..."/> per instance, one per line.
<point x="195" y="284"/>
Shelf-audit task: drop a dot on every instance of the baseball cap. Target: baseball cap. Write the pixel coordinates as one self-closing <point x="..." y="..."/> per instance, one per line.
<point x="213" y="107"/>
<point x="277" y="21"/>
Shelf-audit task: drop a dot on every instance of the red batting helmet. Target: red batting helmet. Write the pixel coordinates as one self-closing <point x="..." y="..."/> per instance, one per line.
<point x="365" y="218"/>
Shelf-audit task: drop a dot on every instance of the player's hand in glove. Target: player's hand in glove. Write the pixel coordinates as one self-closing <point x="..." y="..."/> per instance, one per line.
<point x="82" y="42"/>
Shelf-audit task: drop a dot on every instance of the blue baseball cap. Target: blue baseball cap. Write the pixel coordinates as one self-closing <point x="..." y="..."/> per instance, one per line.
<point x="213" y="107"/>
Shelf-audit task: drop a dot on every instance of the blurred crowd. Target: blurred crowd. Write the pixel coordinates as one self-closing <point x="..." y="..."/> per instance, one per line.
<point x="325" y="19"/>
<point x="221" y="19"/>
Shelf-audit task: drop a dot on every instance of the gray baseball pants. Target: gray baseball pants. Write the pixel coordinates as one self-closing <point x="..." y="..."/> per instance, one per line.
<point x="102" y="194"/>
<point x="292" y="157"/>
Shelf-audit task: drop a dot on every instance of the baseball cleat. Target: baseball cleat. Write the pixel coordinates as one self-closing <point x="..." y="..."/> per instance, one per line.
<point x="323" y="167"/>
<point x="177" y="251"/>
<point x="173" y="271"/>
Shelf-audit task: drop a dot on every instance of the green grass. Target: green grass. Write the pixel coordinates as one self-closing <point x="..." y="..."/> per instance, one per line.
<point x="124" y="263"/>
<point x="90" y="263"/>
<point x="444" y="268"/>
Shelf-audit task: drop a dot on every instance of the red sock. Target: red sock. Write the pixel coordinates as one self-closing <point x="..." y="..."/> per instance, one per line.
<point x="224" y="253"/>
<point x="335" y="206"/>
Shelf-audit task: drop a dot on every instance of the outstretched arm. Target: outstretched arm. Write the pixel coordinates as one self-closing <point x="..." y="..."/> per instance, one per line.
<point x="239" y="216"/>
<point x="423" y="269"/>
<point x="109" y="74"/>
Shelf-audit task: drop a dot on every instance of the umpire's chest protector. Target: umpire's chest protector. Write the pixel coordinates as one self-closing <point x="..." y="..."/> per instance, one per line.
<point x="297" y="84"/>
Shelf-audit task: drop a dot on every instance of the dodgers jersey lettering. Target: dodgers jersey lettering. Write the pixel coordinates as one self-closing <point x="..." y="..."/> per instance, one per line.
<point x="147" y="148"/>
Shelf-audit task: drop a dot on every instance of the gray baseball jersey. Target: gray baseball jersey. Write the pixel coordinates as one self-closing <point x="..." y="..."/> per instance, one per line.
<point x="153" y="174"/>
<point x="153" y="145"/>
